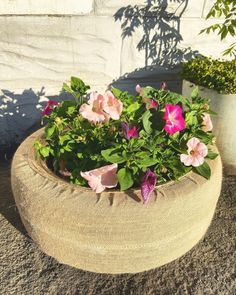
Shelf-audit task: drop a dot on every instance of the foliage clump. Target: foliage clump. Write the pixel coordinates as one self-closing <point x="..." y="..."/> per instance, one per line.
<point x="211" y="73"/>
<point x="140" y="140"/>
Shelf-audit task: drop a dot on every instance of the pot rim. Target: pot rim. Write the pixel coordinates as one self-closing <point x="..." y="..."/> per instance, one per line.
<point x="209" y="89"/>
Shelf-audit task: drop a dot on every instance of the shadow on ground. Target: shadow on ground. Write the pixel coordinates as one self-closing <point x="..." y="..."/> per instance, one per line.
<point x="7" y="203"/>
<point x="207" y="269"/>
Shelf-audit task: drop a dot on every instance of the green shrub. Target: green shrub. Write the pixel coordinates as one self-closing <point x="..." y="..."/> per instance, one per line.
<point x="211" y="73"/>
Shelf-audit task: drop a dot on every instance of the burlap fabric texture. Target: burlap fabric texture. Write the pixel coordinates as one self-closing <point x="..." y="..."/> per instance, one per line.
<point x="111" y="232"/>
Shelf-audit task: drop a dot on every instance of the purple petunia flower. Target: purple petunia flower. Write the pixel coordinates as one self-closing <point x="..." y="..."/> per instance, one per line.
<point x="148" y="185"/>
<point x="129" y="133"/>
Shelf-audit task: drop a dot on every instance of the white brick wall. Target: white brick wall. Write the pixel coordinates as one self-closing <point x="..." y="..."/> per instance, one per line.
<point x="110" y="7"/>
<point x="207" y="6"/>
<point x="45" y="51"/>
<point x="30" y="7"/>
<point x="43" y="43"/>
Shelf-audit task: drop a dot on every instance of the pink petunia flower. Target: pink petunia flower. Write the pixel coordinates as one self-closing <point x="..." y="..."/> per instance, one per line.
<point x="174" y="119"/>
<point x="151" y="104"/>
<point x="197" y="151"/>
<point x="207" y="123"/>
<point x="101" y="178"/>
<point x="138" y="88"/>
<point x="129" y="133"/>
<point x="93" y="111"/>
<point x="148" y="185"/>
<point x="112" y="106"/>
<point x="51" y="104"/>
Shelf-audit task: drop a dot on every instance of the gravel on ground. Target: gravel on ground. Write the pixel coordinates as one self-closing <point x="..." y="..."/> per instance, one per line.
<point x="209" y="268"/>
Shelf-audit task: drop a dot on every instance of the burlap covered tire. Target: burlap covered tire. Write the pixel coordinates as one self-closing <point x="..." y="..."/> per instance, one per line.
<point x="111" y="232"/>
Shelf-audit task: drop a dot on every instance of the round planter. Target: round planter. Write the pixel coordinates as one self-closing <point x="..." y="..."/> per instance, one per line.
<point x="225" y="106"/>
<point x="112" y="232"/>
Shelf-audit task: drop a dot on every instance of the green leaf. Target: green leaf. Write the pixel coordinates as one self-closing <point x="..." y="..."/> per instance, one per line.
<point x="204" y="136"/>
<point x="223" y="33"/>
<point x="117" y="92"/>
<point x="77" y="179"/>
<point x="177" y="167"/>
<point x="64" y="138"/>
<point x="67" y="88"/>
<point x="146" y="162"/>
<point x="78" y="88"/>
<point x="144" y="159"/>
<point x="37" y="146"/>
<point x="203" y="170"/>
<point x="142" y="154"/>
<point x="211" y="155"/>
<point x="219" y="13"/>
<point x="68" y="147"/>
<point x="146" y="122"/>
<point x="76" y="83"/>
<point x="44" y="151"/>
<point x="71" y="110"/>
<point x="202" y="31"/>
<point x="195" y="93"/>
<point x="231" y="30"/>
<point x="112" y="156"/>
<point x="191" y="119"/>
<point x="133" y="107"/>
<point x="50" y="131"/>
<point x="176" y="146"/>
<point x="137" y="143"/>
<point x="125" y="179"/>
<point x="62" y="110"/>
<point x="80" y="155"/>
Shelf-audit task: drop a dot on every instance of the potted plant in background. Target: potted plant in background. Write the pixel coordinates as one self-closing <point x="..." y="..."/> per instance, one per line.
<point x="118" y="183"/>
<point x="217" y="81"/>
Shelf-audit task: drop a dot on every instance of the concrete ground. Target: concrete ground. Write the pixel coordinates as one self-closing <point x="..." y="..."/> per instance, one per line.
<point x="209" y="268"/>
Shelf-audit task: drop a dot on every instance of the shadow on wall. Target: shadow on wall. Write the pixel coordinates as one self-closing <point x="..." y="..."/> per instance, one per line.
<point x="160" y="40"/>
<point x="20" y="115"/>
<point x="160" y="29"/>
<point x="150" y="76"/>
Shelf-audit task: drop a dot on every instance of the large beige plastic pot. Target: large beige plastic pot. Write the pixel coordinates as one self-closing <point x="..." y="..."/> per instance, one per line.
<point x="224" y="123"/>
<point x="111" y="232"/>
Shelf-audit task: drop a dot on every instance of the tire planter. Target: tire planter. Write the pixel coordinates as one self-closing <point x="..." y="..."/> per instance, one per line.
<point x="111" y="232"/>
<point x="225" y="106"/>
